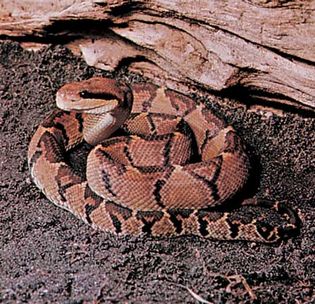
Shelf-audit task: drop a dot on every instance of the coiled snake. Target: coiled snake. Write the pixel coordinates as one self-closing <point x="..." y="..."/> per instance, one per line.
<point x="145" y="182"/>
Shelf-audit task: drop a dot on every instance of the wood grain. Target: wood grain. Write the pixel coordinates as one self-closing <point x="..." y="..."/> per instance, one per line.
<point x="257" y="49"/>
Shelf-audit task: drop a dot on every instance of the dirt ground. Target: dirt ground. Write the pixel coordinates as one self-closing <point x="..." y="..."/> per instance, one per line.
<point x="47" y="255"/>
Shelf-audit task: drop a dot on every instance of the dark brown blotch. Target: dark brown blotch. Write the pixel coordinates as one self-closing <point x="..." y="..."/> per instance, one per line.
<point x="267" y="232"/>
<point x="117" y="214"/>
<point x="107" y="182"/>
<point x="181" y="103"/>
<point x="65" y="179"/>
<point x="176" y="216"/>
<point x="34" y="158"/>
<point x="114" y="208"/>
<point x="50" y="121"/>
<point x="149" y="218"/>
<point x="54" y="152"/>
<point x="210" y="184"/>
<point x="89" y="194"/>
<point x="156" y="192"/>
<point x="148" y="88"/>
<point x="234" y="228"/>
<point x="79" y="118"/>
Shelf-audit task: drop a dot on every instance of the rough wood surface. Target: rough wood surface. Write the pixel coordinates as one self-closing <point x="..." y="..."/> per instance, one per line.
<point x="259" y="48"/>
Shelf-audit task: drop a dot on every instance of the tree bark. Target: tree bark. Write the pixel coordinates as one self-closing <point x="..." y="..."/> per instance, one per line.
<point x="258" y="49"/>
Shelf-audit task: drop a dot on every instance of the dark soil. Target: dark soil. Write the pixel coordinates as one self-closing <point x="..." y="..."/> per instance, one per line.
<point x="47" y="255"/>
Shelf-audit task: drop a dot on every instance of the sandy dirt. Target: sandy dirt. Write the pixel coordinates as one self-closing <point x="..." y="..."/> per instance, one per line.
<point x="47" y="255"/>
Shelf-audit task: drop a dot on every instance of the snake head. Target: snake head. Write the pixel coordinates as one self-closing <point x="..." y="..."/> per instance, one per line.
<point x="97" y="95"/>
<point x="105" y="103"/>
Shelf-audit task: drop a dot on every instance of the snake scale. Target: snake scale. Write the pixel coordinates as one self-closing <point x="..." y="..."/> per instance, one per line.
<point x="149" y="181"/>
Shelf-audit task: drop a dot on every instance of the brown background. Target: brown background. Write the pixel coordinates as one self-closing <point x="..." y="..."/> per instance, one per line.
<point x="47" y="255"/>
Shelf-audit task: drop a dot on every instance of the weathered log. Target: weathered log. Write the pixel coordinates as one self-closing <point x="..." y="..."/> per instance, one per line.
<point x="264" y="49"/>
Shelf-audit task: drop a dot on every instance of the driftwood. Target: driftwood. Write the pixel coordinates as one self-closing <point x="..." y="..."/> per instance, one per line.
<point x="254" y="48"/>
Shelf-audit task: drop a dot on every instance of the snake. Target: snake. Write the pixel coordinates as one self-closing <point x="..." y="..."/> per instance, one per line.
<point x="161" y="164"/>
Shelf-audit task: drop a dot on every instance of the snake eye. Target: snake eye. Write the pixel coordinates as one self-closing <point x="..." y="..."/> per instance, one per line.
<point x="96" y="95"/>
<point x="84" y="94"/>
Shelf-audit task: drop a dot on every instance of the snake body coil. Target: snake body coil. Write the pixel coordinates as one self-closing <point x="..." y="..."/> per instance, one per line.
<point x="149" y="181"/>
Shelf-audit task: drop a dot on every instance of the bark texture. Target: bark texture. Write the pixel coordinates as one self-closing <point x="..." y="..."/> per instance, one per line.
<point x="256" y="48"/>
